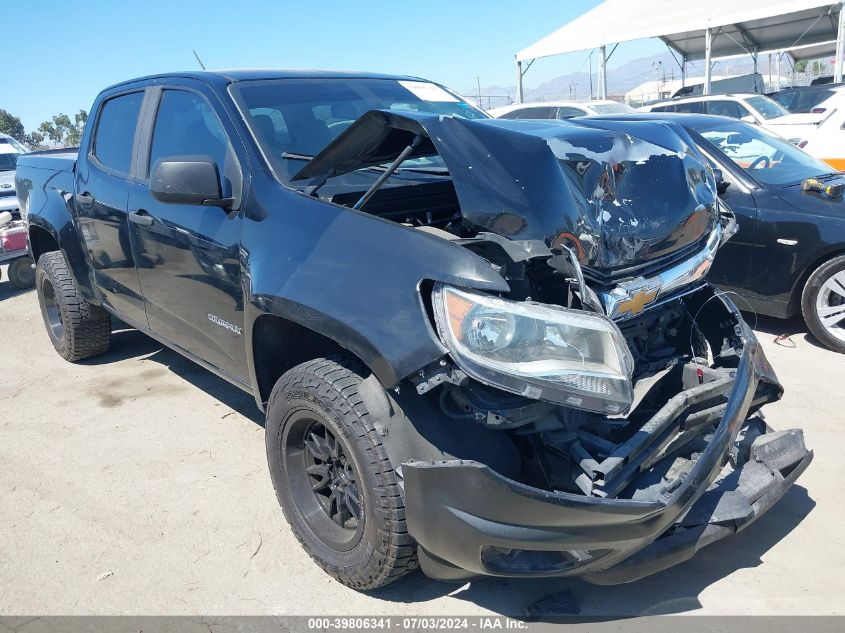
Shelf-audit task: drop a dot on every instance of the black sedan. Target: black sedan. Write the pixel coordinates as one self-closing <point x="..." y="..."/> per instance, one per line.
<point x="788" y="255"/>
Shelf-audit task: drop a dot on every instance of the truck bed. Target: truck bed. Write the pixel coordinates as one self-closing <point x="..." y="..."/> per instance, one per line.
<point x="62" y="159"/>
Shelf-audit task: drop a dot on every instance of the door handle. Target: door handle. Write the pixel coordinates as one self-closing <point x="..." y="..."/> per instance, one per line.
<point x="141" y="218"/>
<point x="85" y="199"/>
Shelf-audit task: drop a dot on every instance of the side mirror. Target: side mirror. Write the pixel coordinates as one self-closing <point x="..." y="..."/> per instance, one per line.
<point x="721" y="184"/>
<point x="748" y="119"/>
<point x="187" y="180"/>
<point x="5" y="218"/>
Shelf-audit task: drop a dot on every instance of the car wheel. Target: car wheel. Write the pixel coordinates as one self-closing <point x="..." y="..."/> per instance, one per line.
<point x="334" y="481"/>
<point x="823" y="304"/>
<point x="21" y="274"/>
<point x="76" y="328"/>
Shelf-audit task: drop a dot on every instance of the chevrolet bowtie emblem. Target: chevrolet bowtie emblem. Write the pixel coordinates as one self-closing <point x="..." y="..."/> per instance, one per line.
<point x="636" y="303"/>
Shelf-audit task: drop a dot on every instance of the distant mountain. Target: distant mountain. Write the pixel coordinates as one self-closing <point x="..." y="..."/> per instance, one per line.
<point x="620" y="79"/>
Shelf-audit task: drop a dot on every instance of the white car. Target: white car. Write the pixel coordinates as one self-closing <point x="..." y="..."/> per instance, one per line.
<point x="819" y="132"/>
<point x="9" y="151"/>
<point x="560" y="109"/>
<point x="751" y="108"/>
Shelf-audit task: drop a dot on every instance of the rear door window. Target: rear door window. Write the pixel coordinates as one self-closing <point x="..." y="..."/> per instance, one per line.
<point x="567" y="112"/>
<point x="534" y="113"/>
<point x="726" y="108"/>
<point x="693" y="107"/>
<point x="115" y="133"/>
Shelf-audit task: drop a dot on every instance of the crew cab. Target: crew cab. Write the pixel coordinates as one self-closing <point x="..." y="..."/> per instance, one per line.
<point x="482" y="346"/>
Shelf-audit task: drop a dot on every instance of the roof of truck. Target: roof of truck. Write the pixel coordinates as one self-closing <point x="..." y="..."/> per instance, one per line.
<point x="223" y="77"/>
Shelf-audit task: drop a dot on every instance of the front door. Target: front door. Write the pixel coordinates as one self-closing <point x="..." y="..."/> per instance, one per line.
<point x="188" y="256"/>
<point x="102" y="188"/>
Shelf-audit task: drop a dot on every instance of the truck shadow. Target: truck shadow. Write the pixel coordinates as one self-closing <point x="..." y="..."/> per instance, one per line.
<point x="7" y="290"/>
<point x="128" y="343"/>
<point x="571" y="600"/>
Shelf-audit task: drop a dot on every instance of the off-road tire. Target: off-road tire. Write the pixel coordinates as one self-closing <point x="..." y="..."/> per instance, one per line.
<point x="808" y="303"/>
<point x="329" y="388"/>
<point x="86" y="328"/>
<point x="21" y="275"/>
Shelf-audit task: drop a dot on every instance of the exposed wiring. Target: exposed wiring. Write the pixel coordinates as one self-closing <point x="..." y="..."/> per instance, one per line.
<point x="716" y="293"/>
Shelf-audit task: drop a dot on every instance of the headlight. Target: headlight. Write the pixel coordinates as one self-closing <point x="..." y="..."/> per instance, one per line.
<point x="571" y="357"/>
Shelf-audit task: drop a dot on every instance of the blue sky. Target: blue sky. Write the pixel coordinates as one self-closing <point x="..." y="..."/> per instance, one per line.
<point x="84" y="45"/>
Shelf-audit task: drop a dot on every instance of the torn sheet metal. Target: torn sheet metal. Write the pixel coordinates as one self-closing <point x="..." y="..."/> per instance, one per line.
<point x="617" y="195"/>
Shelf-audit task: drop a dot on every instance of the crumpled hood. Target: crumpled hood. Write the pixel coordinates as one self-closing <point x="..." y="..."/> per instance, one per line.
<point x="619" y="194"/>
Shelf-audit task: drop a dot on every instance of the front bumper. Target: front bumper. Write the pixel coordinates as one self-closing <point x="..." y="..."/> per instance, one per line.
<point x="469" y="520"/>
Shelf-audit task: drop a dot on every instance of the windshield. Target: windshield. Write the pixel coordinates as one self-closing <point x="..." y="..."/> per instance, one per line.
<point x="764" y="155"/>
<point x="767" y="108"/>
<point x="611" y="108"/>
<point x="293" y="119"/>
<point x="8" y="161"/>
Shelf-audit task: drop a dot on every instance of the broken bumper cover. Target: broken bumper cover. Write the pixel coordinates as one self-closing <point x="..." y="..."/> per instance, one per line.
<point x="469" y="520"/>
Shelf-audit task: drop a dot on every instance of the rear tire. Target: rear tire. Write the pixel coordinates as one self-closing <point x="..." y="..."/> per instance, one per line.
<point x="823" y="304"/>
<point x="21" y="274"/>
<point x="76" y="328"/>
<point x="334" y="481"/>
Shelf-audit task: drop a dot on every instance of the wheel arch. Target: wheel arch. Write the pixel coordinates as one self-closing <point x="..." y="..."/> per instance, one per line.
<point x="41" y="241"/>
<point x="801" y="280"/>
<point x="280" y="344"/>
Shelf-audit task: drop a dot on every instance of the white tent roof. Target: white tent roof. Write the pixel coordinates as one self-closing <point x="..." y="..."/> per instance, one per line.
<point x="743" y="25"/>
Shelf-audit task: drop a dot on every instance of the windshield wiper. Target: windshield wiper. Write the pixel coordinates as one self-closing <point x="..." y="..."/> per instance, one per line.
<point x="295" y="156"/>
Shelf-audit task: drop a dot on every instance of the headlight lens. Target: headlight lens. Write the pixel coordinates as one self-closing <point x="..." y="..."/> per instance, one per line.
<point x="571" y="357"/>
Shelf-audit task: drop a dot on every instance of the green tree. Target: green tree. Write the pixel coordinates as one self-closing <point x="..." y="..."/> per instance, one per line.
<point x="61" y="130"/>
<point x="801" y="66"/>
<point x="11" y="125"/>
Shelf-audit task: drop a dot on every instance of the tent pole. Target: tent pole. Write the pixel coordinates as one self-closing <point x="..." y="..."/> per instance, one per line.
<point x="602" y="72"/>
<point x="683" y="71"/>
<point x="840" y="41"/>
<point x="708" y="37"/>
<point x="777" y="70"/>
<point x="519" y="82"/>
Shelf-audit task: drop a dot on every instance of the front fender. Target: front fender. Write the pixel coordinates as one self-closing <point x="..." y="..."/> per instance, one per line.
<point x="351" y="277"/>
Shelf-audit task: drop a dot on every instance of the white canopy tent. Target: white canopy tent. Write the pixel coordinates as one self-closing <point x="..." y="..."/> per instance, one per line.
<point x="707" y="30"/>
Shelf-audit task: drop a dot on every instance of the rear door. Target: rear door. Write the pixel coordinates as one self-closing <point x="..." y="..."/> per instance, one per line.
<point x="102" y="189"/>
<point x="189" y="255"/>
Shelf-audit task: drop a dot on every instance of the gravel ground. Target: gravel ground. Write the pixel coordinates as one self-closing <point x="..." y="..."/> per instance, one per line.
<point x="136" y="484"/>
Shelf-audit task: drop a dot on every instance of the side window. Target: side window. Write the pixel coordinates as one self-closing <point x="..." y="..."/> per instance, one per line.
<point x="726" y="108"/>
<point x="666" y="108"/>
<point x="535" y="113"/>
<point x="115" y="133"/>
<point x="694" y="107"/>
<point x="186" y="125"/>
<point x="567" y="112"/>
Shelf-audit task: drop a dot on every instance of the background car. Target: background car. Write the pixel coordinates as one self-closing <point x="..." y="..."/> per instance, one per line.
<point x="821" y="131"/>
<point x="814" y="99"/>
<point x="751" y="108"/>
<point x="560" y="109"/>
<point x="788" y="256"/>
<point x="10" y="149"/>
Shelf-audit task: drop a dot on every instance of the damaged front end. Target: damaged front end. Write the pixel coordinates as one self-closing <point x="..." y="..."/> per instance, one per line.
<point x="600" y="418"/>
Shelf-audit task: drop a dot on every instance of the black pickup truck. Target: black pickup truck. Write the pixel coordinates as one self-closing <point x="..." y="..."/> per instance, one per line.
<point x="482" y="346"/>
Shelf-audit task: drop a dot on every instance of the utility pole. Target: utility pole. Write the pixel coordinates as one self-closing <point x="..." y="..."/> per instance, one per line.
<point x="478" y="87"/>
